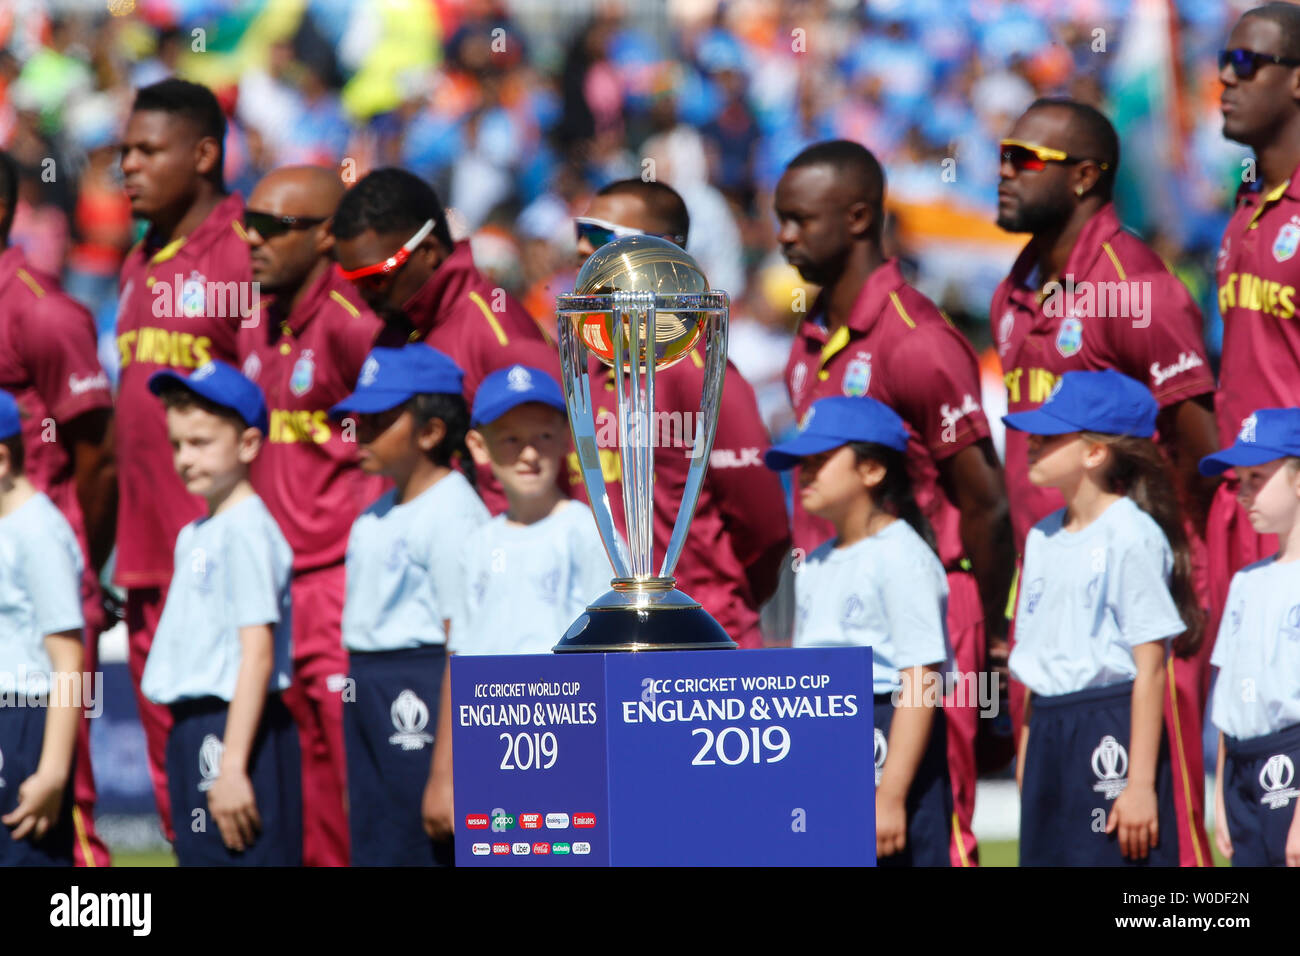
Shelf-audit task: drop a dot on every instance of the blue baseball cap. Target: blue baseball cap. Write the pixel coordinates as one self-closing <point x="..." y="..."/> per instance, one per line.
<point x="1105" y="401"/>
<point x="836" y="421"/>
<point x="390" y="377"/>
<point x="219" y="383"/>
<point x="1266" y="435"/>
<point x="507" y="387"/>
<point x="10" y="425"/>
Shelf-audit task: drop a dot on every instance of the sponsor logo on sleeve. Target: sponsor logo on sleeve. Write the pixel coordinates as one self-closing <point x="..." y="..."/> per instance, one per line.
<point x="88" y="383"/>
<point x="1185" y="362"/>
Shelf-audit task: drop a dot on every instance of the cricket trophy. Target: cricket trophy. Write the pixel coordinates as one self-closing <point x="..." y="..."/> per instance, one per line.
<point x="641" y="304"/>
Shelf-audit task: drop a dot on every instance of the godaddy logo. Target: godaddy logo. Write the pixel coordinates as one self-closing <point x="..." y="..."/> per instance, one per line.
<point x="502" y="821"/>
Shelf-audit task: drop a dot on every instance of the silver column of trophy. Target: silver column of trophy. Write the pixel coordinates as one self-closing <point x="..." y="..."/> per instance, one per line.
<point x="641" y="304"/>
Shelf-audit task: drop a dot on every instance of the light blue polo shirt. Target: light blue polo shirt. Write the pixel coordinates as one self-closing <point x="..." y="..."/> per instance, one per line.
<point x="231" y="570"/>
<point x="40" y="592"/>
<point x="404" y="576"/>
<point x="1088" y="597"/>
<point x="1257" y="652"/>
<point x="525" y="584"/>
<point x="887" y="592"/>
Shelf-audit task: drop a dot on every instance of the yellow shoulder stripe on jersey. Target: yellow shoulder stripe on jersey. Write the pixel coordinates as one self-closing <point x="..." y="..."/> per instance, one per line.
<point x="1272" y="197"/>
<point x="961" y="842"/>
<point x="348" y="307"/>
<point x="695" y="357"/>
<point x="31" y="283"/>
<point x="1188" y="805"/>
<point x="893" y="297"/>
<point x="167" y="251"/>
<point x="944" y="315"/>
<point x="1114" y="260"/>
<point x="492" y="319"/>
<point x="239" y="230"/>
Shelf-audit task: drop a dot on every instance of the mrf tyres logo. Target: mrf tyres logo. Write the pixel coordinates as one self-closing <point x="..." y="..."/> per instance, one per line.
<point x="1110" y="764"/>
<point x="1275" y="778"/>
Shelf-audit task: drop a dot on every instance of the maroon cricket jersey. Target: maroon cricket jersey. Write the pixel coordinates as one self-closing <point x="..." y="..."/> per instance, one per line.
<point x="740" y="533"/>
<point x="459" y="312"/>
<point x="1089" y="320"/>
<point x="1258" y="272"/>
<point x="898" y="348"/>
<point x="49" y="363"/>
<point x="179" y="306"/>
<point x="305" y="361"/>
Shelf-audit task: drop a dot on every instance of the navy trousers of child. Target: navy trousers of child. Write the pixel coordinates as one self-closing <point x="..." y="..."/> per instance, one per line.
<point x="22" y="734"/>
<point x="1260" y="792"/>
<point x="388" y="737"/>
<point x="1077" y="764"/>
<point x="194" y="750"/>
<point x="929" y="800"/>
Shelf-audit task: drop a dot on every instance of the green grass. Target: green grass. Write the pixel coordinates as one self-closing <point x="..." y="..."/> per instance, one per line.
<point x="1006" y="853"/>
<point x="153" y="858"/>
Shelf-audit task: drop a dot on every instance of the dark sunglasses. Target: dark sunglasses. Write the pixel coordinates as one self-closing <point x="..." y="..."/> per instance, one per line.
<point x="1245" y="63"/>
<point x="1030" y="157"/>
<point x="269" y="226"/>
<point x="598" y="232"/>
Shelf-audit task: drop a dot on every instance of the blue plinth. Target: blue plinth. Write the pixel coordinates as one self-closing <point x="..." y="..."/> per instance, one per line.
<point x="687" y="758"/>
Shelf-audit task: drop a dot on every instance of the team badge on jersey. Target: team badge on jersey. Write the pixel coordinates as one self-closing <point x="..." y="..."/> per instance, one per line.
<point x="881" y="751"/>
<point x="193" y="295"/>
<point x="410" y="716"/>
<point x="300" y="380"/>
<point x="857" y="377"/>
<point x="210" y="752"/>
<point x="252" y="367"/>
<point x="1288" y="238"/>
<point x="1070" y="337"/>
<point x="1110" y="765"/>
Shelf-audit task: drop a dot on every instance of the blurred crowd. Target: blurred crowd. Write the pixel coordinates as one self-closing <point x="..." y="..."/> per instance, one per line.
<point x="517" y="110"/>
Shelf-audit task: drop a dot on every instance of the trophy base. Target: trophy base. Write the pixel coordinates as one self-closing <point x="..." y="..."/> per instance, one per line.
<point x="644" y="615"/>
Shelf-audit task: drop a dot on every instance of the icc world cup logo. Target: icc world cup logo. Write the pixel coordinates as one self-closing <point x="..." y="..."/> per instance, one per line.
<point x="410" y="716"/>
<point x="1110" y="765"/>
<point x="209" y="761"/>
<point x="881" y="751"/>
<point x="1275" y="778"/>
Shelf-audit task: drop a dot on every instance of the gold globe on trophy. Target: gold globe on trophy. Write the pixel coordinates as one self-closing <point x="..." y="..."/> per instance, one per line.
<point x="641" y="304"/>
